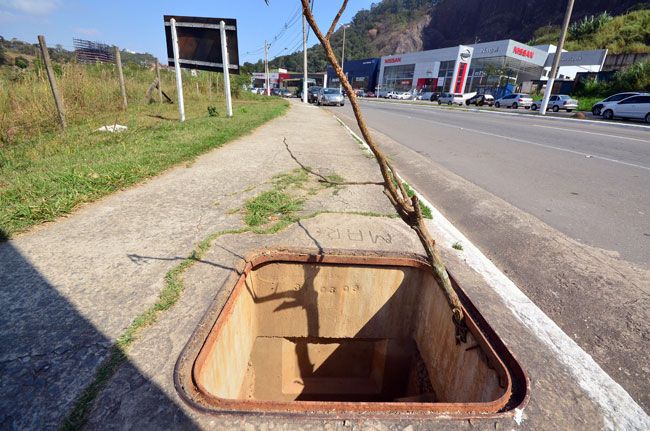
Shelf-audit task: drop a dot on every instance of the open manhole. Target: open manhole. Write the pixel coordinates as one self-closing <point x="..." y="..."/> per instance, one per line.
<point x="345" y="333"/>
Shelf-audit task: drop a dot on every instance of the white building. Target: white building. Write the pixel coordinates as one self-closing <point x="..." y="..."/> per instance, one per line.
<point x="489" y="66"/>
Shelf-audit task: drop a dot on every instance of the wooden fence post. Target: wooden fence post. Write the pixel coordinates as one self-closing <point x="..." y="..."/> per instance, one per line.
<point x="159" y="82"/>
<point x="118" y="61"/>
<point x="52" y="79"/>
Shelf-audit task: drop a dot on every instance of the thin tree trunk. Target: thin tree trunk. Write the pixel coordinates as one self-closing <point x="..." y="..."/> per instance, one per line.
<point x="407" y="208"/>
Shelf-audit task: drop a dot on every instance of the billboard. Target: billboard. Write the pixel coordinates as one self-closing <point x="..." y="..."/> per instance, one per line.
<point x="199" y="43"/>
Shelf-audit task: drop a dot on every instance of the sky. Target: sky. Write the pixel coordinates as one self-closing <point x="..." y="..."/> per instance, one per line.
<point x="137" y="25"/>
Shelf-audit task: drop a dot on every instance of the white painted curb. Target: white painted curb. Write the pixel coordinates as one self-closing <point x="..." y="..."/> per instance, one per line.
<point x="619" y="410"/>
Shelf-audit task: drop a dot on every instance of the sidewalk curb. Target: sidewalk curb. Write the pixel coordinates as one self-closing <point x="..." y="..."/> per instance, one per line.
<point x="618" y="408"/>
<point x="540" y="117"/>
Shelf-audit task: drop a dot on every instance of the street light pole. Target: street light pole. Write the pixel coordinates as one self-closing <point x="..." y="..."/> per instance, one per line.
<point x="556" y="59"/>
<point x="304" y="59"/>
<point x="343" y="55"/>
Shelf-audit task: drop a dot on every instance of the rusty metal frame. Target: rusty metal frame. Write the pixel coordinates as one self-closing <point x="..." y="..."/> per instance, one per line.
<point x="512" y="375"/>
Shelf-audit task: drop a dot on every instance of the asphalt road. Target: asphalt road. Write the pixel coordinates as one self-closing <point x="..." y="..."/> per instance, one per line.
<point x="561" y="207"/>
<point x="589" y="181"/>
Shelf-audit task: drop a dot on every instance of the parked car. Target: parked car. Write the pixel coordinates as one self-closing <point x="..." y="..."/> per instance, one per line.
<point x="514" y="101"/>
<point x="330" y="96"/>
<point x="284" y="92"/>
<point x="402" y="95"/>
<point x="635" y="107"/>
<point x="557" y="102"/>
<point x="598" y="108"/>
<point x="276" y="92"/>
<point x="370" y="94"/>
<point x="451" y="99"/>
<point x="360" y="93"/>
<point x="431" y="96"/>
<point x="480" y="100"/>
<point x="390" y="94"/>
<point x="383" y="93"/>
<point x="312" y="93"/>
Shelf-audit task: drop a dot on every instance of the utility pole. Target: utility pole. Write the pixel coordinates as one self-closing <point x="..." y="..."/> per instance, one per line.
<point x="556" y="59"/>
<point x="304" y="59"/>
<point x="120" y="74"/>
<point x="266" y="68"/>
<point x="52" y="79"/>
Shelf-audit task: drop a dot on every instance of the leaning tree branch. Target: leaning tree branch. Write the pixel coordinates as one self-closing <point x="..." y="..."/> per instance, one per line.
<point x="407" y="208"/>
<point x="335" y="21"/>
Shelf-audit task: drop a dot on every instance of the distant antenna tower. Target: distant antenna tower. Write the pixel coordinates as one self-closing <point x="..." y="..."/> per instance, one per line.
<point x="92" y="52"/>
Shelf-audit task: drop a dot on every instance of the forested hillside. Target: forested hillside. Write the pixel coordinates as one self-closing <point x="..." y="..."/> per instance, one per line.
<point x="396" y="26"/>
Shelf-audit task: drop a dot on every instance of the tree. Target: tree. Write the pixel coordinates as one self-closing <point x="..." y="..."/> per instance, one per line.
<point x="407" y="207"/>
<point x="3" y="55"/>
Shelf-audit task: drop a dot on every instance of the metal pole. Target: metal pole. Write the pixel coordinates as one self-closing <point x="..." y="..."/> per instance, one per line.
<point x="52" y="79"/>
<point x="177" y="67"/>
<point x="226" y="64"/>
<point x="159" y="83"/>
<point x="266" y="69"/>
<point x="342" y="58"/>
<point x="304" y="59"/>
<point x="120" y="74"/>
<point x="556" y="59"/>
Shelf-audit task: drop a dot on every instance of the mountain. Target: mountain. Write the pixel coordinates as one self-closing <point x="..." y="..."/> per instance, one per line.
<point x="397" y="26"/>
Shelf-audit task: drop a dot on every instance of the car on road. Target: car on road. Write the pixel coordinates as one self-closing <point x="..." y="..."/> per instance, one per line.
<point x="451" y="99"/>
<point x="514" y="101"/>
<point x="557" y="102"/>
<point x="481" y="100"/>
<point x="312" y="93"/>
<point x="598" y="108"/>
<point x="330" y="96"/>
<point x="635" y="107"/>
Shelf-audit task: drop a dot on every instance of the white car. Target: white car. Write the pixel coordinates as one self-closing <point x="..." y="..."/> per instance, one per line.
<point x="598" y="107"/>
<point x="557" y="102"/>
<point x="635" y="107"/>
<point x="451" y="99"/>
<point x="401" y="95"/>
<point x="514" y="101"/>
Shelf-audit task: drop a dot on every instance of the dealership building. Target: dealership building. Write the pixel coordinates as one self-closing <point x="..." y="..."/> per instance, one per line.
<point x="496" y="67"/>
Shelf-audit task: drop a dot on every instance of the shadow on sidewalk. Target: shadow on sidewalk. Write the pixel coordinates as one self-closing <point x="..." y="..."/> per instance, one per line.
<point x="50" y="353"/>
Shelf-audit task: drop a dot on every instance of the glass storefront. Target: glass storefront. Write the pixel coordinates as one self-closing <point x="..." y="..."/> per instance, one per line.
<point x="399" y="78"/>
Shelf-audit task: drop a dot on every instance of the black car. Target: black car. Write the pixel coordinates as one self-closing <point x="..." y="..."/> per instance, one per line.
<point x="312" y="93"/>
<point x="480" y="100"/>
<point x="276" y="92"/>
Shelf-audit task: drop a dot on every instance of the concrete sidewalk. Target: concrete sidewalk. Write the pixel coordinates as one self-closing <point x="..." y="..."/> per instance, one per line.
<point x="70" y="289"/>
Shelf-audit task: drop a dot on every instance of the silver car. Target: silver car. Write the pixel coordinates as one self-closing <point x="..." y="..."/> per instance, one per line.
<point x="557" y="102"/>
<point x="514" y="101"/>
<point x="330" y="96"/>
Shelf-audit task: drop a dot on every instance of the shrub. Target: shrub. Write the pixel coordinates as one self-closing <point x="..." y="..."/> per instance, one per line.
<point x="588" y="25"/>
<point x="21" y="62"/>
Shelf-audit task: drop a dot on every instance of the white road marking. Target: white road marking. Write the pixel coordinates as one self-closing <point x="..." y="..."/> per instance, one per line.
<point x="593" y="133"/>
<point x="524" y="141"/>
<point x="618" y="408"/>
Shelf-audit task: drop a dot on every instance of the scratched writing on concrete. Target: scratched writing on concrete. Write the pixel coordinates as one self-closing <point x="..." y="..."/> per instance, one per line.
<point x="356" y="235"/>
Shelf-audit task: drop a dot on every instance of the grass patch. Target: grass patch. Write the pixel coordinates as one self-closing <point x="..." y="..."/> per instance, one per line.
<point x="457" y="246"/>
<point x="585" y="103"/>
<point x="271" y="205"/>
<point x="48" y="175"/>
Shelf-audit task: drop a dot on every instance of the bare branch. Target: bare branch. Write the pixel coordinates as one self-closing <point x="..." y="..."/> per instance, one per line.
<point x="336" y="20"/>
<point x="407" y="208"/>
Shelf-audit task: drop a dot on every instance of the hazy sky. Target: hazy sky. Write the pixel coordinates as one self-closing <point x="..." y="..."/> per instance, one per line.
<point x="138" y="24"/>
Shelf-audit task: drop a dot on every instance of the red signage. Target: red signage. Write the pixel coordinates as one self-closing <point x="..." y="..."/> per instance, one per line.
<point x="393" y="60"/>
<point x="523" y="52"/>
